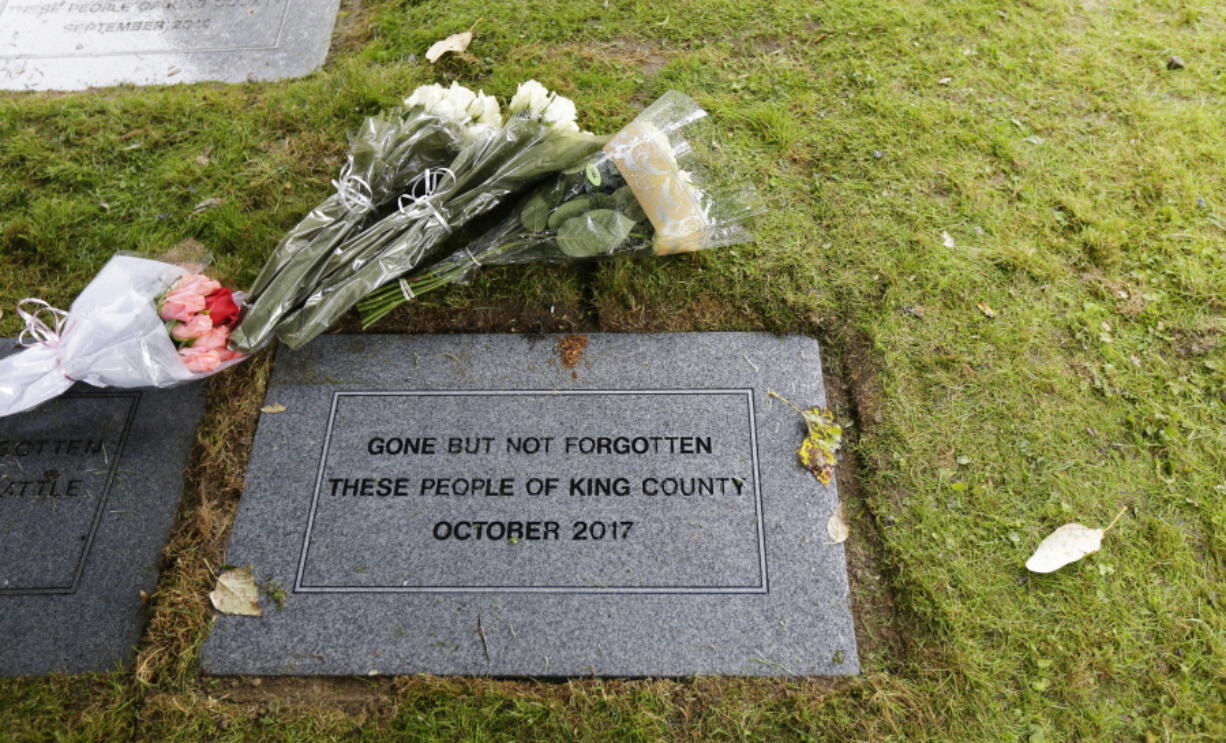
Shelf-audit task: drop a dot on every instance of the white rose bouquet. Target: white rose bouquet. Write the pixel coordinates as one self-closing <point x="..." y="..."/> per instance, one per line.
<point x="538" y="139"/>
<point x="655" y="187"/>
<point x="385" y="155"/>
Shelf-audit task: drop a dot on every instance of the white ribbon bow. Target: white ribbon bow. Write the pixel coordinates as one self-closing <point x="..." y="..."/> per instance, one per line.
<point x="37" y="332"/>
<point x="421" y="191"/>
<point x="354" y="191"/>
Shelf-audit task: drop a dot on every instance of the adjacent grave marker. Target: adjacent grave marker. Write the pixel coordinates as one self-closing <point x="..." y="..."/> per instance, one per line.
<point x="466" y="504"/>
<point x="76" y="44"/>
<point x="89" y="484"/>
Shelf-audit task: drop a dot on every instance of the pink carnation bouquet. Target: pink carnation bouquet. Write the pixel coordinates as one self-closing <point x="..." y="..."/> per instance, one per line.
<point x="139" y="323"/>
<point x="200" y="315"/>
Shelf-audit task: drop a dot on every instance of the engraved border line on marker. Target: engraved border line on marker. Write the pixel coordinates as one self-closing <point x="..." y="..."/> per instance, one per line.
<point x="210" y="50"/>
<point x="99" y="508"/>
<point x="319" y="478"/>
<point x="763" y="584"/>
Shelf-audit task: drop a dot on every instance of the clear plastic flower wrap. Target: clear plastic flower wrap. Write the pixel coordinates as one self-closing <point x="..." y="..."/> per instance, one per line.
<point x="656" y="186"/>
<point x="303" y="292"/>
<point x="539" y="139"/>
<point x="385" y="154"/>
<point x="138" y="323"/>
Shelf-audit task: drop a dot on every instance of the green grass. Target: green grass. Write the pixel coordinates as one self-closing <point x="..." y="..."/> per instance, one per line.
<point x="1082" y="188"/>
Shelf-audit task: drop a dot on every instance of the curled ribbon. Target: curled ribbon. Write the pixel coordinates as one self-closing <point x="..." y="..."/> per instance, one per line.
<point x="422" y="190"/>
<point x="354" y="191"/>
<point x="37" y="332"/>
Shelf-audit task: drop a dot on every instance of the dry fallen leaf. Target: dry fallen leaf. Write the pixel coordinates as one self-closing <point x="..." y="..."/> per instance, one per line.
<point x="1067" y="544"/>
<point x="207" y="204"/>
<point x="818" y="452"/>
<point x="947" y="240"/>
<point x="836" y="526"/>
<point x="204" y="157"/>
<point x="453" y="43"/>
<point x="986" y="309"/>
<point x="274" y="408"/>
<point x="236" y="593"/>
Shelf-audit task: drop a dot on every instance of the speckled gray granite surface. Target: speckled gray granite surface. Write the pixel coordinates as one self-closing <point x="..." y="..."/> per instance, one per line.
<point x="467" y="505"/>
<point x="77" y="44"/>
<point x="89" y="485"/>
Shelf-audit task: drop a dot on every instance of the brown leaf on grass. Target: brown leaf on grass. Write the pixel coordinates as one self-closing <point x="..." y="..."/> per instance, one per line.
<point x="205" y="157"/>
<point x="274" y="408"/>
<point x="454" y="43"/>
<point x="236" y="593"/>
<point x="986" y="309"/>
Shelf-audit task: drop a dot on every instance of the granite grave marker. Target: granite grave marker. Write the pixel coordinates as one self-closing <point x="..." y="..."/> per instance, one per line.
<point x="89" y="485"/>
<point x="77" y="44"/>
<point x="469" y="505"/>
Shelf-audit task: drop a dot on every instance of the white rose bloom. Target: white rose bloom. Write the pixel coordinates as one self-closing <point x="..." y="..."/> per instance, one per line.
<point x="483" y="131"/>
<point x="460" y="96"/>
<point x="447" y="109"/>
<point x="426" y="95"/>
<point x="560" y="114"/>
<point x="484" y="109"/>
<point x="530" y="96"/>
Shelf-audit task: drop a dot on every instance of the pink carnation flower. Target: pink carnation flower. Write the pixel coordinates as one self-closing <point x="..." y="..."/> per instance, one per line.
<point x="214" y="339"/>
<point x="193" y="328"/>
<point x="195" y="283"/>
<point x="186" y="297"/>
<point x="208" y="351"/>
<point x="200" y="360"/>
<point x="181" y="307"/>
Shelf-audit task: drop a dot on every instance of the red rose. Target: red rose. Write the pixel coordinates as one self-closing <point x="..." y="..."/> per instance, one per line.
<point x="221" y="307"/>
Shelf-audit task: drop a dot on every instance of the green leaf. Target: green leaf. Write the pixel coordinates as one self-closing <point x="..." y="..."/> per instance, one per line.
<point x="572" y="208"/>
<point x="535" y="213"/>
<point x="598" y="232"/>
<point x="593" y="174"/>
<point x="626" y="203"/>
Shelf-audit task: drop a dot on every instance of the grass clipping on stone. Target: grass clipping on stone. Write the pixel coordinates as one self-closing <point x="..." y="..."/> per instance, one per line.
<point x="819" y="450"/>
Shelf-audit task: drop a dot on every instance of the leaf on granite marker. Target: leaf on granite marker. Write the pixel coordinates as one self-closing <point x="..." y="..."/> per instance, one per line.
<point x="274" y="408"/>
<point x="819" y="451"/>
<point x="453" y="43"/>
<point x="236" y="593"/>
<point x="836" y="526"/>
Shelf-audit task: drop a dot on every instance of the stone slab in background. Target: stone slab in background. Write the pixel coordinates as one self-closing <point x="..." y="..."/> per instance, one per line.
<point x="89" y="485"/>
<point x="78" y="44"/>
<point x="403" y="502"/>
